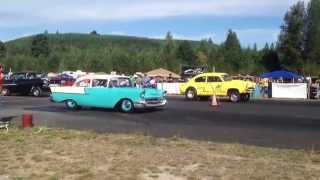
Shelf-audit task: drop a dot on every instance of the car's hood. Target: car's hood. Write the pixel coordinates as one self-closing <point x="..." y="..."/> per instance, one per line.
<point x="151" y="92"/>
<point x="8" y="81"/>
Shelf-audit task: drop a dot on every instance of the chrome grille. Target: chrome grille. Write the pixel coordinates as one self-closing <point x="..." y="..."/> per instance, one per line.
<point x="153" y="100"/>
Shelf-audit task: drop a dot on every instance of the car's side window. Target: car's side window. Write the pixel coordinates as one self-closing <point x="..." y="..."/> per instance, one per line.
<point x="124" y="82"/>
<point x="99" y="83"/>
<point x="120" y="82"/>
<point x="113" y="83"/>
<point x="83" y="83"/>
<point x="213" y="79"/>
<point x="18" y="76"/>
<point x="31" y="76"/>
<point x="200" y="79"/>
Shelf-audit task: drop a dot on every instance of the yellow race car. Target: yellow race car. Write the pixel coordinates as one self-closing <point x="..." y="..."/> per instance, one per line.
<point x="220" y="84"/>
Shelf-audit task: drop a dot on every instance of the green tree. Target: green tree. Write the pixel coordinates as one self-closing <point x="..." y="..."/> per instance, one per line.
<point x="40" y="46"/>
<point x="203" y="52"/>
<point x="291" y="39"/>
<point x="3" y="50"/>
<point x="54" y="63"/>
<point x="270" y="60"/>
<point x="168" y="53"/>
<point x="94" y="32"/>
<point x="232" y="51"/>
<point x="312" y="33"/>
<point x="210" y="41"/>
<point x="185" y="53"/>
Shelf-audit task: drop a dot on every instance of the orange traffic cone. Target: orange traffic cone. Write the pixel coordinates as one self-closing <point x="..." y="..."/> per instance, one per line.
<point x="214" y="100"/>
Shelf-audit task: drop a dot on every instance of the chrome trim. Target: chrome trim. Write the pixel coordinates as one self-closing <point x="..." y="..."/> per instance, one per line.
<point x="145" y="104"/>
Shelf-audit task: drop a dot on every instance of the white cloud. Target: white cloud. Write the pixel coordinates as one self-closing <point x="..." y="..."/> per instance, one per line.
<point x="22" y="13"/>
<point x="181" y="36"/>
<point x="123" y="33"/>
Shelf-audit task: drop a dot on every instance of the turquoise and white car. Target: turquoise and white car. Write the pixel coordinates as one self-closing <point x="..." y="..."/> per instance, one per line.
<point x="108" y="91"/>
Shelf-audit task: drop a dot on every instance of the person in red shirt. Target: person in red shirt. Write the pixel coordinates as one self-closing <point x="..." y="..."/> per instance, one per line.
<point x="1" y="77"/>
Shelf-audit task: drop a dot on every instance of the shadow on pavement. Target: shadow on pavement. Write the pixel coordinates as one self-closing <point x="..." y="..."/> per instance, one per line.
<point x="62" y="109"/>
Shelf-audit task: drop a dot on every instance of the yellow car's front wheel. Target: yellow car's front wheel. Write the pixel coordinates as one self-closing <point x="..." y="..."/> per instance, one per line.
<point x="191" y="94"/>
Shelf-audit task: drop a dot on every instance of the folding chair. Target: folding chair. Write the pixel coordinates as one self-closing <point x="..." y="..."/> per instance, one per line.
<point x="4" y="124"/>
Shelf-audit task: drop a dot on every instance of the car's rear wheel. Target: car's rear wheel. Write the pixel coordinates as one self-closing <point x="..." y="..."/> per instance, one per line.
<point x="234" y="96"/>
<point x="5" y="92"/>
<point x="71" y="104"/>
<point x="126" y="106"/>
<point x="191" y="94"/>
<point x="36" y="92"/>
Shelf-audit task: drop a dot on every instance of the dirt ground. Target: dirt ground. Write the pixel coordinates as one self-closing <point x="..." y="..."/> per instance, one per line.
<point x="53" y="154"/>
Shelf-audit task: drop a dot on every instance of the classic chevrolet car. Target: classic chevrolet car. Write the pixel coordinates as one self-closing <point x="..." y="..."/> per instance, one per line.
<point x="206" y="84"/>
<point x="108" y="91"/>
<point x="25" y="83"/>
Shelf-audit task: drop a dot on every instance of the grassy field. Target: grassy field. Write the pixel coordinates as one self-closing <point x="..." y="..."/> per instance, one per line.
<point x="64" y="154"/>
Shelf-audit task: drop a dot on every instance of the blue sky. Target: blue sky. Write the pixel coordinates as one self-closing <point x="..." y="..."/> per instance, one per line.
<point x="254" y="21"/>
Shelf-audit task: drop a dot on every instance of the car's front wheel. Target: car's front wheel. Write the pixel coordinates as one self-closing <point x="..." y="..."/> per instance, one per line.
<point x="191" y="94"/>
<point x="5" y="92"/>
<point x="71" y="104"/>
<point x="234" y="96"/>
<point x="36" y="92"/>
<point x="126" y="106"/>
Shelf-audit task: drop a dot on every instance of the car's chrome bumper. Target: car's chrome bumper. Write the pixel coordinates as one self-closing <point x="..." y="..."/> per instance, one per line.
<point x="151" y="104"/>
<point x="51" y="99"/>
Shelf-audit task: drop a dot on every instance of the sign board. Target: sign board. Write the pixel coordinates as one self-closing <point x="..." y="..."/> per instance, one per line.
<point x="289" y="90"/>
<point x="191" y="71"/>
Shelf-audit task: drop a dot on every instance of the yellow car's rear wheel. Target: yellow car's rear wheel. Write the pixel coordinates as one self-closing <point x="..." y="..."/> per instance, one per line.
<point x="234" y="96"/>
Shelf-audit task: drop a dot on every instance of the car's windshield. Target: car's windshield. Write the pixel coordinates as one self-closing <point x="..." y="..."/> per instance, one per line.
<point x="18" y="76"/>
<point x="226" y="77"/>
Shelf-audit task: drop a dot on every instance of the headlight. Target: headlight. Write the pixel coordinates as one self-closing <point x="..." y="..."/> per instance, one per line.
<point x="45" y="83"/>
<point x="165" y="93"/>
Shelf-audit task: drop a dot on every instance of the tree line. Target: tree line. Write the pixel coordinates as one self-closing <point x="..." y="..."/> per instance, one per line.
<point x="297" y="49"/>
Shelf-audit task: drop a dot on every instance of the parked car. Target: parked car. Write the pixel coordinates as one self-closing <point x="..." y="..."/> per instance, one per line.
<point x="62" y="80"/>
<point x="206" y="84"/>
<point x="24" y="83"/>
<point x="108" y="91"/>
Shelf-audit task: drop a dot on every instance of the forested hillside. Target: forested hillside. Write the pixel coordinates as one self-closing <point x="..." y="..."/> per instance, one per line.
<point x="94" y="52"/>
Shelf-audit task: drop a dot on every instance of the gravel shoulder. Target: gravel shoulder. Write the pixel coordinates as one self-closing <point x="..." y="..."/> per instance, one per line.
<point x="43" y="153"/>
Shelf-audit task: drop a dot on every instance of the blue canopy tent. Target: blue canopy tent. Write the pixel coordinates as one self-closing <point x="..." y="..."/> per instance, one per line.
<point x="281" y="74"/>
<point x="284" y="76"/>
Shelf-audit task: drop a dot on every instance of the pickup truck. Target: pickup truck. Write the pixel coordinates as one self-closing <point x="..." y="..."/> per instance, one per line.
<point x="24" y="83"/>
<point x="220" y="84"/>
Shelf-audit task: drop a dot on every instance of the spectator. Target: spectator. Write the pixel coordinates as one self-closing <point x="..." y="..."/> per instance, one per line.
<point x="153" y="83"/>
<point x="318" y="87"/>
<point x="170" y="79"/>
<point x="139" y="82"/>
<point x="1" y="77"/>
<point x="146" y="80"/>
